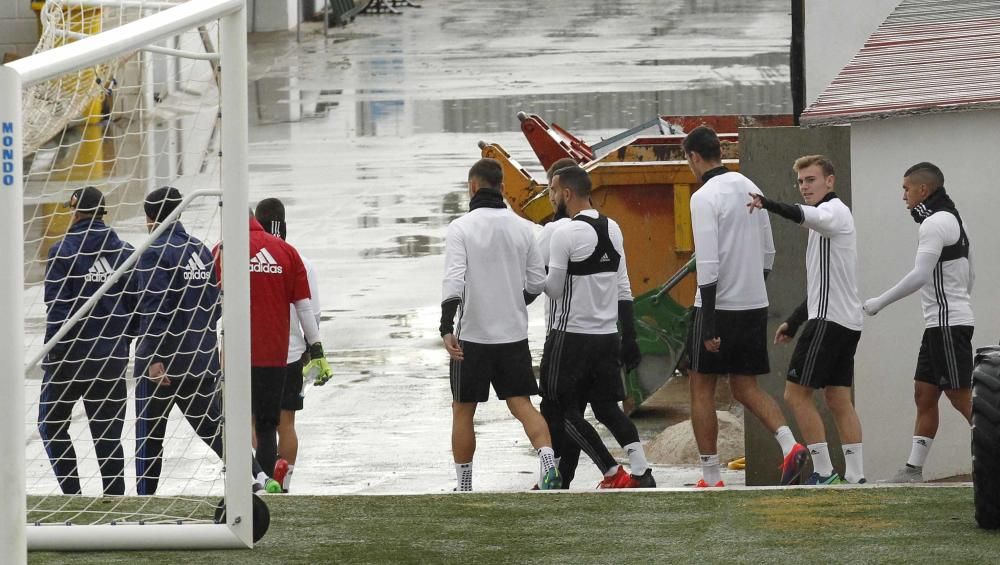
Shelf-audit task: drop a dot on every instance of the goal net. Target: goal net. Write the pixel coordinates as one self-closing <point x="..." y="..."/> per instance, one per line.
<point x="114" y="374"/>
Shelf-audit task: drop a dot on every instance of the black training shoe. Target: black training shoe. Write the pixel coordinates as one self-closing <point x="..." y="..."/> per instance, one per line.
<point x="645" y="480"/>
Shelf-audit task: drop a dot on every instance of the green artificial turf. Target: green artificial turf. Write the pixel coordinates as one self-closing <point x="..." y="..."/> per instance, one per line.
<point x="878" y="525"/>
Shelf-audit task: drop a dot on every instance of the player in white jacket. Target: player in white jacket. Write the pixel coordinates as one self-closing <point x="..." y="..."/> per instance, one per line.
<point x="943" y="274"/>
<point x="728" y="336"/>
<point x="824" y="355"/>
<point x="492" y="271"/>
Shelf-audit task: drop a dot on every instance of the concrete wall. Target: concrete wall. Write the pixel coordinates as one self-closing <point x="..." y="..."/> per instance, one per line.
<point x="272" y="15"/>
<point x="766" y="157"/>
<point x="965" y="145"/>
<point x="18" y="27"/>
<point x="835" y="31"/>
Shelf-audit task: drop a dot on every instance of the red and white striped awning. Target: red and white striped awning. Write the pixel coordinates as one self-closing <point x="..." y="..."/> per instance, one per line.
<point x="927" y="56"/>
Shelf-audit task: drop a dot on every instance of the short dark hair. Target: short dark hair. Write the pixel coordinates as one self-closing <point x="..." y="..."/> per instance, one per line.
<point x="703" y="141"/>
<point x="575" y="179"/>
<point x="270" y="213"/>
<point x="270" y="209"/>
<point x="926" y="173"/>
<point x="488" y="171"/>
<point x="161" y="202"/>
<point x="560" y="164"/>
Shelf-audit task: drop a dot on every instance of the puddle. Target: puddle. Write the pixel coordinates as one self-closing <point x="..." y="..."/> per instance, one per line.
<point x="408" y="246"/>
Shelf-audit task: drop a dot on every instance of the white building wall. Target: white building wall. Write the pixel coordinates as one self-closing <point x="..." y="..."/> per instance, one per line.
<point x="965" y="145"/>
<point x="18" y="27"/>
<point x="835" y="31"/>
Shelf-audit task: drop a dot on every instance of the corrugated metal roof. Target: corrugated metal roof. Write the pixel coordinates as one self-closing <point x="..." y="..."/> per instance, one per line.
<point x="927" y="56"/>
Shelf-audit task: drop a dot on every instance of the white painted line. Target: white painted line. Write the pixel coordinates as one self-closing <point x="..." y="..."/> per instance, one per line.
<point x="691" y="489"/>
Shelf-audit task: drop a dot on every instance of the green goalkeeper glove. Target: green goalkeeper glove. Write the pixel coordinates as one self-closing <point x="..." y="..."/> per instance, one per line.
<point x="317" y="369"/>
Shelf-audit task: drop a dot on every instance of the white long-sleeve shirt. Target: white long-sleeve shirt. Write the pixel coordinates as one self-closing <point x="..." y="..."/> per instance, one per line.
<point x="491" y="258"/>
<point x="945" y="286"/>
<point x="832" y="264"/>
<point x="732" y="247"/>
<point x="296" y="343"/>
<point x="946" y="297"/>
<point x="586" y="304"/>
<point x="544" y="239"/>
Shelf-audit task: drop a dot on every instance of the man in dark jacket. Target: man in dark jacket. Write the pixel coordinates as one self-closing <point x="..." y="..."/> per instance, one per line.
<point x="90" y="361"/>
<point x="176" y="358"/>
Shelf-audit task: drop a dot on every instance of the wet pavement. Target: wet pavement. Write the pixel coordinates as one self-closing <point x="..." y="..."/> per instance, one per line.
<point x="367" y="137"/>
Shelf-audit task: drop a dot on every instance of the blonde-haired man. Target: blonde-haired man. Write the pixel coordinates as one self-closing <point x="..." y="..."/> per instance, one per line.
<point x="824" y="354"/>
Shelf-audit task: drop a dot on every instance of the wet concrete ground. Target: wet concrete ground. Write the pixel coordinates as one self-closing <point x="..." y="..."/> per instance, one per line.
<point x="367" y="137"/>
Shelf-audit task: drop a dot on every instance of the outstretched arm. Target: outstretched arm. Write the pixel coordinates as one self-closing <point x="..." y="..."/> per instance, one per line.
<point x="921" y="274"/>
<point x="791" y="212"/>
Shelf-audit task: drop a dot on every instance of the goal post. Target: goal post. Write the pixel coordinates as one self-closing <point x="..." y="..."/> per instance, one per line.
<point x="12" y="514"/>
<point x="143" y="35"/>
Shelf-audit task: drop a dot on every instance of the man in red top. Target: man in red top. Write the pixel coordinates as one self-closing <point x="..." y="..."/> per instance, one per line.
<point x="277" y="279"/>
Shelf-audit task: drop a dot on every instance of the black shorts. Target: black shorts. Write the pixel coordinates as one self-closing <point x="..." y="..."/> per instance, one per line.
<point x="945" y="357"/>
<point x="581" y="367"/>
<point x="744" y="343"/>
<point x="266" y="386"/>
<point x="824" y="355"/>
<point x="291" y="398"/>
<point x="507" y="366"/>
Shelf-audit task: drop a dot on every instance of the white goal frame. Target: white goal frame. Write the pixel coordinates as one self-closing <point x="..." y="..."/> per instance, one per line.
<point x="15" y="536"/>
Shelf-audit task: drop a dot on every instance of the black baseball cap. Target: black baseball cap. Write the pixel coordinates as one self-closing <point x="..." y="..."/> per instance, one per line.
<point x="87" y="200"/>
<point x="161" y="202"/>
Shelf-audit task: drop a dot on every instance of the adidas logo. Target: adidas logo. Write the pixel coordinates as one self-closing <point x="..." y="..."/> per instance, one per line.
<point x="849" y="452"/>
<point x="605" y="258"/>
<point x="922" y="442"/>
<point x="99" y="271"/>
<point x="793" y="373"/>
<point x="263" y="262"/>
<point x="196" y="269"/>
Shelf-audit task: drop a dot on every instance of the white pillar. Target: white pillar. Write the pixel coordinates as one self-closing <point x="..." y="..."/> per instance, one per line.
<point x="236" y="274"/>
<point x="13" y="510"/>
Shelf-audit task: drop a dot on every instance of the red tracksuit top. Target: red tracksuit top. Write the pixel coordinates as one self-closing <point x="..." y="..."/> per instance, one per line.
<point x="277" y="278"/>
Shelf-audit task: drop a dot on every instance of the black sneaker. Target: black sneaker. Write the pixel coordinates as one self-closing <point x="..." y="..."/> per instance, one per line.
<point x="645" y="480"/>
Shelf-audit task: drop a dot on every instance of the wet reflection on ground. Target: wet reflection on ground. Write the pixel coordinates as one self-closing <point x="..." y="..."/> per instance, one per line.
<point x="368" y="136"/>
<point x="407" y="246"/>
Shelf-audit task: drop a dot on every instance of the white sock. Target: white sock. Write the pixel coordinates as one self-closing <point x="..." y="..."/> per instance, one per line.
<point x="821" y="459"/>
<point x="854" y="468"/>
<point x="547" y="458"/>
<point x="464" y="472"/>
<point x="612" y="471"/>
<point x="785" y="439"/>
<point x="261" y="478"/>
<point x="285" y="484"/>
<point x="710" y="469"/>
<point x="637" y="458"/>
<point x="918" y="454"/>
